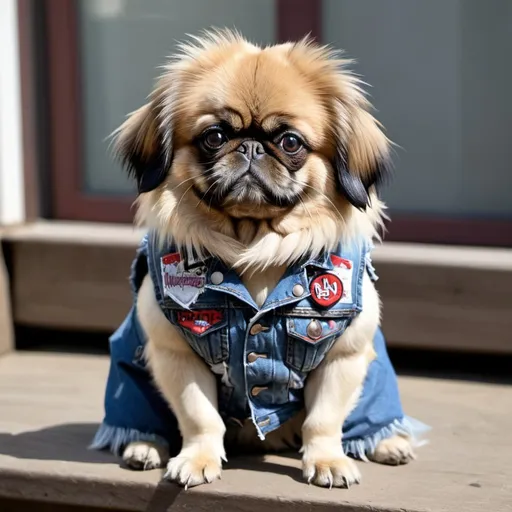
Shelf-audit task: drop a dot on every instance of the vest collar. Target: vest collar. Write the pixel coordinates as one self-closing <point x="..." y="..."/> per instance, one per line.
<point x="295" y="278"/>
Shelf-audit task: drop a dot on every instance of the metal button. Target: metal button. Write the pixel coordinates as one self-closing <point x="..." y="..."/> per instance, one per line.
<point x="298" y="290"/>
<point x="256" y="390"/>
<point x="257" y="328"/>
<point x="217" y="278"/>
<point x="253" y="356"/>
<point x="314" y="329"/>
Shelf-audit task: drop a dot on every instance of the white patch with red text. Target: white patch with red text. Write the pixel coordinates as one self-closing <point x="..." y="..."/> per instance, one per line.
<point x="344" y="269"/>
<point x="182" y="286"/>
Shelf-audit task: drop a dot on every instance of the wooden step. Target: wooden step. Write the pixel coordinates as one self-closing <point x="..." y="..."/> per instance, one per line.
<point x="51" y="404"/>
<point x="74" y="275"/>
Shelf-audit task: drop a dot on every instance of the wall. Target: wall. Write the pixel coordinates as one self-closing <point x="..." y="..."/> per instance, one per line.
<point x="440" y="72"/>
<point x="12" y="208"/>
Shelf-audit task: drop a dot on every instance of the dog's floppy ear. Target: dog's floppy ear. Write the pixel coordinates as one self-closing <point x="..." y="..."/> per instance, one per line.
<point x="139" y="146"/>
<point x="362" y="154"/>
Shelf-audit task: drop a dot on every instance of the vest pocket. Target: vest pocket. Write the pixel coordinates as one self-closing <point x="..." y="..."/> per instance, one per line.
<point x="206" y="331"/>
<point x="309" y="340"/>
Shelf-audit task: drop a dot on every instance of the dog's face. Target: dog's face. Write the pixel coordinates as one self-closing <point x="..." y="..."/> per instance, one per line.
<point x="236" y="133"/>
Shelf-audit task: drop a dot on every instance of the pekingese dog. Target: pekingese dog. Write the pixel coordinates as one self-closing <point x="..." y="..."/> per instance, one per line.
<point x="257" y="171"/>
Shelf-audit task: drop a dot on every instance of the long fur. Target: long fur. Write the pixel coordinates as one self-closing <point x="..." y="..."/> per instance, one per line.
<point x="157" y="133"/>
<point x="348" y="157"/>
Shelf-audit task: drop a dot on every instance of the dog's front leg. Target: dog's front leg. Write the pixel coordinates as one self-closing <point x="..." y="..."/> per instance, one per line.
<point x="331" y="392"/>
<point x="190" y="389"/>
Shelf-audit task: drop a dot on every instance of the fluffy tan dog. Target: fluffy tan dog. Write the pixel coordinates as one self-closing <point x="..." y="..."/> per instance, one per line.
<point x="258" y="157"/>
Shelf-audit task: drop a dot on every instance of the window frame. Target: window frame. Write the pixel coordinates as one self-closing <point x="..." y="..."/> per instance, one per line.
<point x="68" y="201"/>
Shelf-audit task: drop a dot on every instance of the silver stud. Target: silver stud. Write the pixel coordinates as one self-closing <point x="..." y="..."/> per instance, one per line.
<point x="314" y="329"/>
<point x="217" y="278"/>
<point x="298" y="290"/>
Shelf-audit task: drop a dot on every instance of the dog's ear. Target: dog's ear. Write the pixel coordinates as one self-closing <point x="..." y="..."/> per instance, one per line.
<point x="139" y="146"/>
<point x="362" y="154"/>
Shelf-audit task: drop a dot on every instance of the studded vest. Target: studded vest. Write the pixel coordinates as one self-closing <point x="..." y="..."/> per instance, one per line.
<point x="260" y="355"/>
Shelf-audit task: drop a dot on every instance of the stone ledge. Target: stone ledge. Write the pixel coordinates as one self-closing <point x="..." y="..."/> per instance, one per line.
<point x="51" y="404"/>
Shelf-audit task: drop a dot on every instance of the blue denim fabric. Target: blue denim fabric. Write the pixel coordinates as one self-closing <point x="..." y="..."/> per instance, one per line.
<point x="134" y="410"/>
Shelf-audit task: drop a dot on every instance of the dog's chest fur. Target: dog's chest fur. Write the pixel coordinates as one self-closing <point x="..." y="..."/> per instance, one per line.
<point x="261" y="283"/>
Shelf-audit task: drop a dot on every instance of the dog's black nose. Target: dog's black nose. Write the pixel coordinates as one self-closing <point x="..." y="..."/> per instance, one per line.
<point x="252" y="149"/>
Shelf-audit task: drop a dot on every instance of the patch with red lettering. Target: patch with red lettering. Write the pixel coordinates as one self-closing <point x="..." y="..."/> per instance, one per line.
<point x="326" y="289"/>
<point x="344" y="269"/>
<point x="199" y="322"/>
<point x="182" y="286"/>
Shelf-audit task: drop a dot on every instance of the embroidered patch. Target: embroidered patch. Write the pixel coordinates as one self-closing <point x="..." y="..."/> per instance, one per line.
<point x="344" y="269"/>
<point x="326" y="289"/>
<point x="182" y="286"/>
<point x="199" y="322"/>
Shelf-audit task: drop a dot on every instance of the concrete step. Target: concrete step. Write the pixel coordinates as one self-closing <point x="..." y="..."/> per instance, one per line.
<point x="50" y="406"/>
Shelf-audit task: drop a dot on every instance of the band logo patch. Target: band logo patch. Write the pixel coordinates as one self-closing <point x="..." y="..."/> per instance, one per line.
<point x="182" y="286"/>
<point x="326" y="289"/>
<point x="199" y="322"/>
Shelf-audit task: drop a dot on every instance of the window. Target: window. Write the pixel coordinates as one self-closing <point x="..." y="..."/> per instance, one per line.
<point x="439" y="72"/>
<point x="103" y="57"/>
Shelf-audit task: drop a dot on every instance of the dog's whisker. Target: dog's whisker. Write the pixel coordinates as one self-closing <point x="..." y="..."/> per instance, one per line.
<point x="318" y="192"/>
<point x="306" y="208"/>
<point x="182" y="196"/>
<point x="184" y="181"/>
<point x="192" y="178"/>
<point x="207" y="190"/>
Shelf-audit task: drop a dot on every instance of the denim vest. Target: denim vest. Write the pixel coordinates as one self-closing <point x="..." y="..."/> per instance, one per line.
<point x="260" y="355"/>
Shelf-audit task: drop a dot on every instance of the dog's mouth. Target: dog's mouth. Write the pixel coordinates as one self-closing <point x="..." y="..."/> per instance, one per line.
<point x="248" y="188"/>
<point x="254" y="189"/>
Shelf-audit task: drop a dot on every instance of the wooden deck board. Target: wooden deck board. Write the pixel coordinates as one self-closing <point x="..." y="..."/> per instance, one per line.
<point x="51" y="404"/>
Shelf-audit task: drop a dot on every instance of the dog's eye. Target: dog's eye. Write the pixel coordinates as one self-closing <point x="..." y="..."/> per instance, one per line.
<point x="214" y="139"/>
<point x="291" y="143"/>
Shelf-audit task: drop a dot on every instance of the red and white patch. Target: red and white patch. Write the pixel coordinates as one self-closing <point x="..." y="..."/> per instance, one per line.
<point x="199" y="322"/>
<point x="344" y="269"/>
<point x="326" y="289"/>
<point x="182" y="286"/>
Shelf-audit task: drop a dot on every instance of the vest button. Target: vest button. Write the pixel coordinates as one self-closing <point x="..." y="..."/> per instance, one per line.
<point x="314" y="329"/>
<point x="217" y="278"/>
<point x="257" y="328"/>
<point x="253" y="356"/>
<point x="298" y="290"/>
<point x="256" y="390"/>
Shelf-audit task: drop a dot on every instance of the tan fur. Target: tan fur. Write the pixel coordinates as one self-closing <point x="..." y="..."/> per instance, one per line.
<point x="222" y="74"/>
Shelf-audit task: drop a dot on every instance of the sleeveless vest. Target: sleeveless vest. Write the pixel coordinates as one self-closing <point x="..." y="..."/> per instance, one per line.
<point x="260" y="355"/>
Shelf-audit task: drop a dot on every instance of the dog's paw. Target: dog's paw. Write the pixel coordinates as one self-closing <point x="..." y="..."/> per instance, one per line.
<point x="326" y="470"/>
<point x="198" y="463"/>
<point x="393" y="451"/>
<point x="144" y="455"/>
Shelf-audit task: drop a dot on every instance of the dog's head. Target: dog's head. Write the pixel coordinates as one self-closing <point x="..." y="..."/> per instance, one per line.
<point x="246" y="147"/>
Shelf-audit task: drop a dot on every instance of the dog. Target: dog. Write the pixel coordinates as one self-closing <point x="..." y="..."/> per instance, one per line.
<point x="255" y="323"/>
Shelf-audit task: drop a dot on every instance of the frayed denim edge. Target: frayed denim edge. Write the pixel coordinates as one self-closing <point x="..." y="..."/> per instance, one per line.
<point x="360" y="448"/>
<point x="116" y="438"/>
